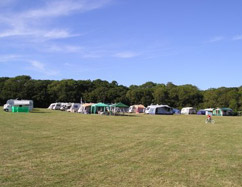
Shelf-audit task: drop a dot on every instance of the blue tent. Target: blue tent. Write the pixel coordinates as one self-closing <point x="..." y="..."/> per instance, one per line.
<point x="201" y="112"/>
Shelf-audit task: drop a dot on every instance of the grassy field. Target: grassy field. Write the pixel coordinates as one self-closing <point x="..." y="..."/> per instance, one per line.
<point x="54" y="148"/>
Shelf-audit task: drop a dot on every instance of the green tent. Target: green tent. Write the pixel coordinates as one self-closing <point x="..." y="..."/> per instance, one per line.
<point x="223" y="112"/>
<point x="119" y="105"/>
<point x="103" y="106"/>
<point x="117" y="108"/>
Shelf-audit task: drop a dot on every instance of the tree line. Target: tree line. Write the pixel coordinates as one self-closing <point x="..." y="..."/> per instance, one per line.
<point x="44" y="92"/>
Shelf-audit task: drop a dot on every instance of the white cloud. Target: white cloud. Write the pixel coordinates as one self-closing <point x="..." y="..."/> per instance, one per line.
<point x="63" y="48"/>
<point x="42" y="35"/>
<point x="41" y="68"/>
<point x="215" y="39"/>
<point x="9" y="57"/>
<point x="37" y="65"/>
<point x="238" y="37"/>
<point x="126" y="54"/>
<point x="56" y="34"/>
<point x="31" y="22"/>
<point x="64" y="7"/>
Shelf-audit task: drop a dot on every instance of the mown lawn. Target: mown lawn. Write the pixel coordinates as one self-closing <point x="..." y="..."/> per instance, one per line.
<point x="54" y="148"/>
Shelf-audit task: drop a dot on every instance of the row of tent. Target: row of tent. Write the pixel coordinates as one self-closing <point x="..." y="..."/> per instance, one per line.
<point x="14" y="105"/>
<point x="90" y="108"/>
<point x="102" y="108"/>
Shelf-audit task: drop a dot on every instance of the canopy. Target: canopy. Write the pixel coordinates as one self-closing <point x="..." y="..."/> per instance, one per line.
<point x="100" y="105"/>
<point x="87" y="104"/>
<point x="119" y="105"/>
<point x="95" y="106"/>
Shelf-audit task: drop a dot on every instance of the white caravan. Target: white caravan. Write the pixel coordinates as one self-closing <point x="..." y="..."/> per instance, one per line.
<point x="14" y="102"/>
<point x="74" y="107"/>
<point x="56" y="106"/>
<point x="188" y="110"/>
<point x="65" y="106"/>
<point x="159" y="110"/>
<point x="209" y="111"/>
<point x="51" y="106"/>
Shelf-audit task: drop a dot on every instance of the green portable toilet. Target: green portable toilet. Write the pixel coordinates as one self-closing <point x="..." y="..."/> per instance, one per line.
<point x="20" y="109"/>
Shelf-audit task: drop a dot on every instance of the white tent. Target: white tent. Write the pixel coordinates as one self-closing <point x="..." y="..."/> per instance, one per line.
<point x="85" y="108"/>
<point x="159" y="110"/>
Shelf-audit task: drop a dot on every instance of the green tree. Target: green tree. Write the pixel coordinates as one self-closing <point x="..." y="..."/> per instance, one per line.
<point x="161" y="95"/>
<point x="15" y="88"/>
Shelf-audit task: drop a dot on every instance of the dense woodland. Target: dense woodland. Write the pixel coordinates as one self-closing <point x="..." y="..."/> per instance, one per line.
<point x="44" y="92"/>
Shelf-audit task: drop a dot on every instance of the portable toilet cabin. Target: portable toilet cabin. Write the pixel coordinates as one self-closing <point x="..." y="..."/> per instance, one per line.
<point x="188" y="110"/>
<point x="223" y="112"/>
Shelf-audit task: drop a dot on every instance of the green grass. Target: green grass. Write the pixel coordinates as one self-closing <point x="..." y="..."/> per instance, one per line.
<point x="54" y="148"/>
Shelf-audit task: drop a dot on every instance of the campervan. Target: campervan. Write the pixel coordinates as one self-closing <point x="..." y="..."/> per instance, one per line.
<point x="159" y="110"/>
<point x="188" y="110"/>
<point x="18" y="103"/>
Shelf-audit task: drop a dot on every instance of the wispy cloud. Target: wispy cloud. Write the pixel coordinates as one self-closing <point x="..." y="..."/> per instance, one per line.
<point x="42" y="35"/>
<point x="41" y="68"/>
<point x="9" y="57"/>
<point x="126" y="54"/>
<point x="58" y="8"/>
<point x="215" y="39"/>
<point x="237" y="37"/>
<point x="32" y="22"/>
<point x="55" y="34"/>
<point x="63" y="48"/>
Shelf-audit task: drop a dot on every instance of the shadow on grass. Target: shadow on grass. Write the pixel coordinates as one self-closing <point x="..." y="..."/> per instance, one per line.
<point x="37" y="111"/>
<point x="125" y="115"/>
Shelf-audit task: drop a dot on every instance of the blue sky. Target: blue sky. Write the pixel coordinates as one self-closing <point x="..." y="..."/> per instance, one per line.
<point x="195" y="42"/>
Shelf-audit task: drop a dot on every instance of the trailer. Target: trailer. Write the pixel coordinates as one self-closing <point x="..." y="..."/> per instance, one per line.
<point x="188" y="110"/>
<point x="74" y="107"/>
<point x="14" y="105"/>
